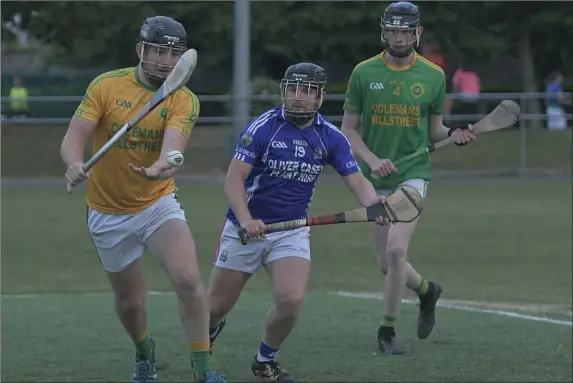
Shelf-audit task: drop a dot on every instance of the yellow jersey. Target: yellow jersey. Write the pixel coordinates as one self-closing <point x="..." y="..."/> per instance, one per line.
<point x="111" y="100"/>
<point x="18" y="99"/>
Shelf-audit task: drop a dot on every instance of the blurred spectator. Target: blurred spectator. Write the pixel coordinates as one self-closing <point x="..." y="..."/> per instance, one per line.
<point x="431" y="52"/>
<point x="556" y="99"/>
<point x="465" y="84"/>
<point x="18" y="99"/>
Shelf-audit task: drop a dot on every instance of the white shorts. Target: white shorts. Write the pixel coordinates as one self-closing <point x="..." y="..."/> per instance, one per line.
<point x="556" y="118"/>
<point x="120" y="239"/>
<point x="419" y="184"/>
<point x="232" y="254"/>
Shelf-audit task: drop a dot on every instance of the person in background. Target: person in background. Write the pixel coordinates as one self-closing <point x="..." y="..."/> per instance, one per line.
<point x="556" y="99"/>
<point x="18" y="99"/>
<point x="433" y="54"/>
<point x="398" y="76"/>
<point x="465" y="83"/>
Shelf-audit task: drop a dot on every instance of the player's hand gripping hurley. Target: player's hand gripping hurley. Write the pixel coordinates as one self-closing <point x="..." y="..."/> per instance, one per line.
<point x="404" y="205"/>
<point x="176" y="79"/>
<point x="503" y="116"/>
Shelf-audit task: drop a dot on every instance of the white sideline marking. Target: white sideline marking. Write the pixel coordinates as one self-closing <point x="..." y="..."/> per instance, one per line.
<point x="463" y="308"/>
<point x="347" y="294"/>
<point x="36" y="296"/>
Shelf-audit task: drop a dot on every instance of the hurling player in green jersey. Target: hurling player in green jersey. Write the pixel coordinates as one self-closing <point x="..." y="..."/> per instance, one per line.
<point x="398" y="96"/>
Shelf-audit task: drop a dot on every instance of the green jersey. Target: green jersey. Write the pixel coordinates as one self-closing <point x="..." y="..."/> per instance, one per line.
<point x="395" y="105"/>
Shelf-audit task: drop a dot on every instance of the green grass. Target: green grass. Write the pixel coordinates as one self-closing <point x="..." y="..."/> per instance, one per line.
<point x="81" y="340"/>
<point x="498" y="151"/>
<point x="504" y="241"/>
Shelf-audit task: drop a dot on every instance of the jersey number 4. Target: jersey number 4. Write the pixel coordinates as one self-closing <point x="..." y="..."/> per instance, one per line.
<point x="396" y="91"/>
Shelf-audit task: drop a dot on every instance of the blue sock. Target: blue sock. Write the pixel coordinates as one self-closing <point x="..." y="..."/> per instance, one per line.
<point x="266" y="353"/>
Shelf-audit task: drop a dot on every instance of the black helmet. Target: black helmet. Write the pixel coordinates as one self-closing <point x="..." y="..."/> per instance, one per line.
<point x="302" y="91"/>
<point x="163" y="41"/>
<point x="400" y="16"/>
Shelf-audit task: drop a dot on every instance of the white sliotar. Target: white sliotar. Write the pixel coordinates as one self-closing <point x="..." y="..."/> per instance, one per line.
<point x="174" y="158"/>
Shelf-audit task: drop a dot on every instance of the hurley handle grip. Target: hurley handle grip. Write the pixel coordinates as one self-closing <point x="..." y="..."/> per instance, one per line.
<point x="243" y="236"/>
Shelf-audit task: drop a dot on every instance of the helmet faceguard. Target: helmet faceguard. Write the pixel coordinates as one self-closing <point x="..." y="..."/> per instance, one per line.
<point x="400" y="28"/>
<point x="162" y="42"/>
<point x="302" y="92"/>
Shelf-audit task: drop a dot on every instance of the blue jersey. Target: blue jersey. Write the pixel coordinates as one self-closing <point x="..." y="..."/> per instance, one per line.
<point x="553" y="89"/>
<point x="287" y="161"/>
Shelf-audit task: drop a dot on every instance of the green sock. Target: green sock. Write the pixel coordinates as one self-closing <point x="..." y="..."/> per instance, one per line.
<point x="388" y="321"/>
<point x="200" y="358"/>
<point x="201" y="363"/>
<point x="423" y="289"/>
<point x="144" y="348"/>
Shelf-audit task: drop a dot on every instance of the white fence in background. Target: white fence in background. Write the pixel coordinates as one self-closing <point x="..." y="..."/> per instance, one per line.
<point x="491" y="98"/>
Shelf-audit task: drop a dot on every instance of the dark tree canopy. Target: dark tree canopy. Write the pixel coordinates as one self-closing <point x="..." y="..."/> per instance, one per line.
<point x="335" y="34"/>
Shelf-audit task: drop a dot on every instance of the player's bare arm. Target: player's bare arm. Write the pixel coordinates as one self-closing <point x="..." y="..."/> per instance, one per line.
<point x="72" y="148"/>
<point x="350" y="122"/>
<point x="161" y="169"/>
<point x="362" y="189"/>
<point x="365" y="193"/>
<point x="438" y="132"/>
<point x="236" y="194"/>
<point x="380" y="167"/>
<point x="436" y="129"/>
<point x="344" y="161"/>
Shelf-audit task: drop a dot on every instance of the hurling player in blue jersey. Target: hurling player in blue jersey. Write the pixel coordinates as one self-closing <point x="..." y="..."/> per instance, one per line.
<point x="272" y="178"/>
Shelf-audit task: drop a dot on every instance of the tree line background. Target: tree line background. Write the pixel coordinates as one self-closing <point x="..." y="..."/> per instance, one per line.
<point x="512" y="45"/>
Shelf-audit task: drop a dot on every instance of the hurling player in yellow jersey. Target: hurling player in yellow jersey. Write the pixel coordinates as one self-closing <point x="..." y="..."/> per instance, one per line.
<point x="399" y="98"/>
<point x="131" y="198"/>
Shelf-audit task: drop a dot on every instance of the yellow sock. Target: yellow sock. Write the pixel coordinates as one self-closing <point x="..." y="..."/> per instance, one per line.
<point x="388" y="321"/>
<point x="142" y="337"/>
<point x="203" y="345"/>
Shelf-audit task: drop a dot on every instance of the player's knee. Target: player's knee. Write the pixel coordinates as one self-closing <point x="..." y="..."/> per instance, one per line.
<point x="129" y="303"/>
<point x="288" y="303"/>
<point x="188" y="285"/>
<point x="220" y="306"/>
<point x="396" y="255"/>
